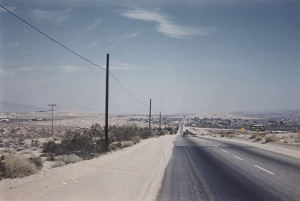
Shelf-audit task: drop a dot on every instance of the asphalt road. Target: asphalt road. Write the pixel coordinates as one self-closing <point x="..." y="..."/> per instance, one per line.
<point x="211" y="169"/>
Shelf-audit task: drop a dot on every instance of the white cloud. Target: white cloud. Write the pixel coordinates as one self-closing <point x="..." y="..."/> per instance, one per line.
<point x="13" y="44"/>
<point x="52" y="16"/>
<point x="10" y="8"/>
<point x="13" y="71"/>
<point x="166" y="26"/>
<point x="96" y="23"/>
<point x="71" y="68"/>
<point x="92" y="45"/>
<point x="132" y="35"/>
<point x="115" y="65"/>
<point x="45" y="81"/>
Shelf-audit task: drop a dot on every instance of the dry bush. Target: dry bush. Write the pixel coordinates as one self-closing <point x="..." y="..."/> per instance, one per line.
<point x="286" y="141"/>
<point x="232" y="135"/>
<point x="271" y="138"/>
<point x="37" y="161"/>
<point x="13" y="166"/>
<point x="67" y="159"/>
<point x="253" y="136"/>
<point x="115" y="146"/>
<point x="223" y="135"/>
<point x="258" y="138"/>
<point x="127" y="144"/>
<point x="58" y="164"/>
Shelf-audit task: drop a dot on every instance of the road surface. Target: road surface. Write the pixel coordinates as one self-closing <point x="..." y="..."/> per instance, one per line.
<point x="211" y="169"/>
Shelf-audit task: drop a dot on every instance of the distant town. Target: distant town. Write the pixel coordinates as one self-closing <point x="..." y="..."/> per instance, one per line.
<point x="261" y="124"/>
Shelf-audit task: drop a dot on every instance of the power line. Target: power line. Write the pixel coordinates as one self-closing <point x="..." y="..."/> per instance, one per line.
<point x="49" y="37"/>
<point x="89" y="61"/>
<point x="125" y="89"/>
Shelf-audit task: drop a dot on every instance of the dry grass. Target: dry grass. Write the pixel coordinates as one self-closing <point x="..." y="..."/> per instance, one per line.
<point x="67" y="159"/>
<point x="271" y="138"/>
<point x="13" y="166"/>
<point x="127" y="144"/>
<point x="58" y="164"/>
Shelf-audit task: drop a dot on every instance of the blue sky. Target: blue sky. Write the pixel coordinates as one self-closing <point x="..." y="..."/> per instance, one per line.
<point x="187" y="56"/>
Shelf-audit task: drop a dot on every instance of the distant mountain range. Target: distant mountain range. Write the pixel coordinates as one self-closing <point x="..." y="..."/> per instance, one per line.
<point x="15" y="107"/>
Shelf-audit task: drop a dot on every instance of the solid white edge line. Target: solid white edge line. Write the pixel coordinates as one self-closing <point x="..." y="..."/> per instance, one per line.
<point x="239" y="158"/>
<point x="264" y="169"/>
<point x="224" y="150"/>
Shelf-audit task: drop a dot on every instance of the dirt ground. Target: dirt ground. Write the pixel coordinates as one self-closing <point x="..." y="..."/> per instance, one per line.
<point x="133" y="173"/>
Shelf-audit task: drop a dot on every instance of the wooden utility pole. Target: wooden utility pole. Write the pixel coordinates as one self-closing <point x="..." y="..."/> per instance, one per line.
<point x="52" y="105"/>
<point x="150" y="120"/>
<point x="159" y="120"/>
<point x="106" y="102"/>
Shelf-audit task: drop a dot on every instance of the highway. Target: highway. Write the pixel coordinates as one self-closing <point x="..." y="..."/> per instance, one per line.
<point x="211" y="169"/>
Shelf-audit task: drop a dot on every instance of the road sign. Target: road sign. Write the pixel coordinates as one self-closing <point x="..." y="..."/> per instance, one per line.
<point x="242" y="130"/>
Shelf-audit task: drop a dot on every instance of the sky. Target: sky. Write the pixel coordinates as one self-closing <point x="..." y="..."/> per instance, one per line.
<point x="189" y="56"/>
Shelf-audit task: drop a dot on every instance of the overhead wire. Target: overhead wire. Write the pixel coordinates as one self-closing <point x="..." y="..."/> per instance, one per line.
<point x="125" y="89"/>
<point x="75" y="53"/>
<point x="52" y="39"/>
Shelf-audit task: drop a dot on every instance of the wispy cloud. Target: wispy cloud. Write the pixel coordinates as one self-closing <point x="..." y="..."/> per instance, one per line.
<point x="92" y="45"/>
<point x="71" y="68"/>
<point x="116" y="65"/>
<point x="132" y="35"/>
<point x="95" y="24"/>
<point x="13" y="44"/>
<point x="45" y="81"/>
<point x="9" y="8"/>
<point x="51" y="16"/>
<point x="166" y="26"/>
<point x="9" y="72"/>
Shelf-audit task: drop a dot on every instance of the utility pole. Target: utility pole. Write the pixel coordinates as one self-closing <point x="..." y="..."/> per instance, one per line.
<point x="159" y="121"/>
<point x="165" y="122"/>
<point x="52" y="105"/>
<point x="150" y="119"/>
<point x="106" y="102"/>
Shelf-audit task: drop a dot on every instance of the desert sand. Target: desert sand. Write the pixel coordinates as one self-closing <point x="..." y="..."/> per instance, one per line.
<point x="133" y="173"/>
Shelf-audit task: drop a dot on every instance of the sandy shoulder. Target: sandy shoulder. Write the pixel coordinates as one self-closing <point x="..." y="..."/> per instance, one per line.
<point x="134" y="173"/>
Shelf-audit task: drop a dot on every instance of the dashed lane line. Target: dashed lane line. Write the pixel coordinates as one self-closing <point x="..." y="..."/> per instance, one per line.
<point x="264" y="169"/>
<point x="239" y="158"/>
<point x="224" y="150"/>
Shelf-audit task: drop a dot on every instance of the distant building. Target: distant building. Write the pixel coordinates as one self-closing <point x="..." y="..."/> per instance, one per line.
<point x="258" y="127"/>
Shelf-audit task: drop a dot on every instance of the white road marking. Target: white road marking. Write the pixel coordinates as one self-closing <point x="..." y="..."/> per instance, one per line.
<point x="224" y="150"/>
<point x="239" y="158"/>
<point x="209" y="142"/>
<point x="215" y="145"/>
<point x="264" y="169"/>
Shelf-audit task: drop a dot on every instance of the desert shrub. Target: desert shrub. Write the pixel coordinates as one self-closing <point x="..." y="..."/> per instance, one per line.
<point x="127" y="133"/>
<point x="232" y="135"/>
<point x="254" y="136"/>
<point x="127" y="144"/>
<point x="52" y="147"/>
<point x="12" y="166"/>
<point x="115" y="146"/>
<point x="67" y="159"/>
<point x="286" y="141"/>
<point x="137" y="139"/>
<point x="223" y="135"/>
<point x="258" y="138"/>
<point x="37" y="161"/>
<point x="271" y="138"/>
<point x="86" y="144"/>
<point x="58" y="164"/>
